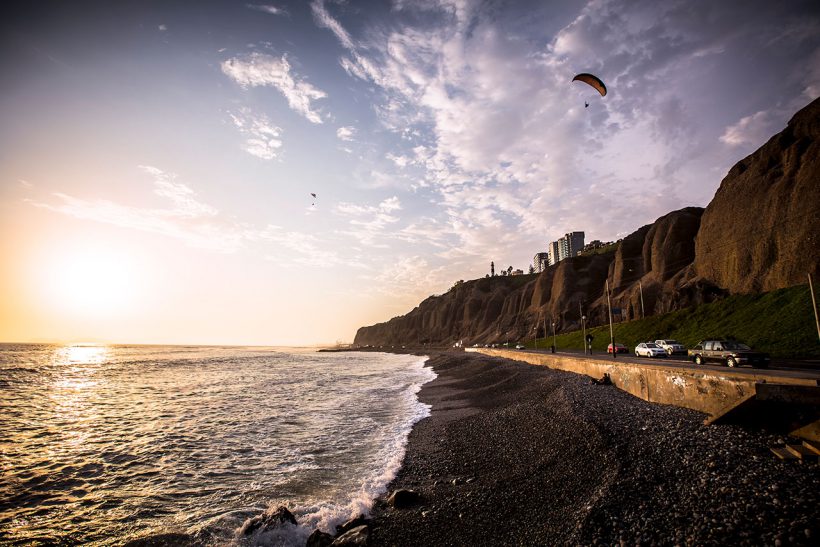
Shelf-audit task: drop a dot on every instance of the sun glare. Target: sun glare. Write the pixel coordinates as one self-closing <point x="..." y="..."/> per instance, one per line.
<point x="90" y="282"/>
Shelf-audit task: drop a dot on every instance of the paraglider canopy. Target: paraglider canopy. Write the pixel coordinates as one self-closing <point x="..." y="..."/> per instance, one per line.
<point x="312" y="194"/>
<point x="592" y="80"/>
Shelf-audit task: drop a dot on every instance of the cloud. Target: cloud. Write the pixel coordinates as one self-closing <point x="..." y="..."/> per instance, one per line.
<point x="481" y="97"/>
<point x="25" y="183"/>
<point x="369" y="223"/>
<point x="162" y="28"/>
<point x="263" y="138"/>
<point x="346" y="133"/>
<point x="751" y="130"/>
<point x="195" y="223"/>
<point x="267" y="8"/>
<point x="258" y="69"/>
<point x="324" y="19"/>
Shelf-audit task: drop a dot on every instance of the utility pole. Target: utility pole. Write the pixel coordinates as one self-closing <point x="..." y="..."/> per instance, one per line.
<point x="545" y="328"/>
<point x="611" y="332"/>
<point x="640" y="288"/>
<point x="814" y="306"/>
<point x="583" y="326"/>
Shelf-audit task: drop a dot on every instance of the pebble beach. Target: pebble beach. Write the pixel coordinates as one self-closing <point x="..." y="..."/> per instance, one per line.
<point x="519" y="454"/>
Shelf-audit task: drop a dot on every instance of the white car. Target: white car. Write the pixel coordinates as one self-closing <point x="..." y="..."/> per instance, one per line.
<point x="671" y="347"/>
<point x="519" y="346"/>
<point x="648" y="349"/>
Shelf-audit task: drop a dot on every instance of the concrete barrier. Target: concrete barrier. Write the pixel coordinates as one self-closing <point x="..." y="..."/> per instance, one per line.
<point x="712" y="392"/>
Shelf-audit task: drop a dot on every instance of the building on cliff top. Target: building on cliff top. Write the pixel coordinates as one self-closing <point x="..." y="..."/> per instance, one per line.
<point x="569" y="245"/>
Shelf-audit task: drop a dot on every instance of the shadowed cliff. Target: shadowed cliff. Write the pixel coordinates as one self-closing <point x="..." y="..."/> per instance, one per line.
<point x="759" y="233"/>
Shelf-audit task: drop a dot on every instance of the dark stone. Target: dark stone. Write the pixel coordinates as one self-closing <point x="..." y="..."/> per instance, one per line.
<point x="356" y="536"/>
<point x="350" y="524"/>
<point x="319" y="539"/>
<point x="268" y="520"/>
<point x="402" y="499"/>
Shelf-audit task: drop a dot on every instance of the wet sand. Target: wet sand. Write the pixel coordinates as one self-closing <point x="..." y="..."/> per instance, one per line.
<point x="519" y="454"/>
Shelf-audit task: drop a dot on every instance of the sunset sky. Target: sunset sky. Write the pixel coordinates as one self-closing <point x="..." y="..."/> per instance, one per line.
<point x="157" y="158"/>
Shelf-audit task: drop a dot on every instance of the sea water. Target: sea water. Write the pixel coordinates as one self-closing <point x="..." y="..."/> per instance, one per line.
<point x="105" y="444"/>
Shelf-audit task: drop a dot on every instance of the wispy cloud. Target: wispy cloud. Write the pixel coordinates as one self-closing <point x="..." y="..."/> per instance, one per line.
<point x="263" y="138"/>
<point x="369" y="222"/>
<point x="324" y="19"/>
<point x="258" y="69"/>
<point x="506" y="149"/>
<point x="193" y="222"/>
<point x="268" y="8"/>
<point x="346" y="133"/>
<point x="752" y="130"/>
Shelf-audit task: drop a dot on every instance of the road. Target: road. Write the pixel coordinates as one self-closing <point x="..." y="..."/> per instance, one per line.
<point x="786" y="368"/>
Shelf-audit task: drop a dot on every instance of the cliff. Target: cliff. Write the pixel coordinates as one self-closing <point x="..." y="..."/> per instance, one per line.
<point x="759" y="233"/>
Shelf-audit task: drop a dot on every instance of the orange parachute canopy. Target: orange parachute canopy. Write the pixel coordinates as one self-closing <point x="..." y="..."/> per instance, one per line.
<point x="592" y="80"/>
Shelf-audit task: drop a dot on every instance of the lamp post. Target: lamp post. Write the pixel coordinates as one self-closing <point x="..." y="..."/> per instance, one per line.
<point x="584" y="326"/>
<point x="553" y="334"/>
<point x="611" y="332"/>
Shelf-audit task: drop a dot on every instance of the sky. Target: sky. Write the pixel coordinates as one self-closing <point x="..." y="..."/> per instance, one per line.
<point x="157" y="159"/>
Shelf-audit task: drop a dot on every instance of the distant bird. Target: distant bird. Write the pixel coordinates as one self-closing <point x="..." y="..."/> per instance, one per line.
<point x="586" y="104"/>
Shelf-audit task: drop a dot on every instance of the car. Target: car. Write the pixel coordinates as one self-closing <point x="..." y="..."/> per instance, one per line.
<point x="619" y="348"/>
<point x="729" y="352"/>
<point x="519" y="346"/>
<point x="671" y="347"/>
<point x="649" y="349"/>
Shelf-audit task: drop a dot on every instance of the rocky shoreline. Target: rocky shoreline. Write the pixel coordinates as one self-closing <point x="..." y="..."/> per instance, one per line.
<point x="519" y="454"/>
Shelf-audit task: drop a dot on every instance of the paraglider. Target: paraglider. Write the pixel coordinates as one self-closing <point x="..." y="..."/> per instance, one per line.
<point x="593" y="81"/>
<point x="314" y="199"/>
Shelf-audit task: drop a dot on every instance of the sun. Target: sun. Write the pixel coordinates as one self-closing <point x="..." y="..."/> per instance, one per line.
<point x="90" y="281"/>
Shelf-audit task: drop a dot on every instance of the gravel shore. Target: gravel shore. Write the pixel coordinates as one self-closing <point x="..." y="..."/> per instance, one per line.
<point x="519" y="454"/>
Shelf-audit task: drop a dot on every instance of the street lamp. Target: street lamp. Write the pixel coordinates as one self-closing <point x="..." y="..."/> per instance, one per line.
<point x="584" y="327"/>
<point x="553" y="335"/>
<point x="611" y="332"/>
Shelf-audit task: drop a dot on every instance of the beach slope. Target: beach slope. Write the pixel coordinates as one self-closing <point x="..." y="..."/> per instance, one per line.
<point x="519" y="454"/>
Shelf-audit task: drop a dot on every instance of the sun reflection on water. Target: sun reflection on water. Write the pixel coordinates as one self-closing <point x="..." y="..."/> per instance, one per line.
<point x="81" y="354"/>
<point x="75" y="390"/>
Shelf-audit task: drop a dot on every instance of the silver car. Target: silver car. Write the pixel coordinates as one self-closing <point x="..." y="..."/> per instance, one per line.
<point x="648" y="349"/>
<point x="671" y="347"/>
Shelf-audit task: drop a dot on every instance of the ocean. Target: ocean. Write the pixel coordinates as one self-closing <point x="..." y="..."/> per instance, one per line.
<point x="105" y="444"/>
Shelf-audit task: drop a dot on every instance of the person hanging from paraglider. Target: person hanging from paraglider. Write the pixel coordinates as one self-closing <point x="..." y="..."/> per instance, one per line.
<point x="314" y="199"/>
<point x="593" y="81"/>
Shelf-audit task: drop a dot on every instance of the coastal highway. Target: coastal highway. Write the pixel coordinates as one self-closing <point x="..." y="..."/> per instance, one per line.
<point x="784" y="368"/>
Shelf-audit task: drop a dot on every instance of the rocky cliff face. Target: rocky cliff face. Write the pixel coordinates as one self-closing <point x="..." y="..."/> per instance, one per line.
<point x="761" y="230"/>
<point x="759" y="233"/>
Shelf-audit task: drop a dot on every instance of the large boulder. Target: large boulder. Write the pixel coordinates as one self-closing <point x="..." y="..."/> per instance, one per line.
<point x="357" y="537"/>
<point x="269" y="520"/>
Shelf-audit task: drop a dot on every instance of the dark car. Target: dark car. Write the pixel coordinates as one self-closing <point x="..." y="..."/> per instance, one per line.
<point x="729" y="352"/>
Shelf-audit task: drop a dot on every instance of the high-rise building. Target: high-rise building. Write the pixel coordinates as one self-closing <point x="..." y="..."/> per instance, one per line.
<point x="569" y="245"/>
<point x="540" y="261"/>
<point x="553" y="251"/>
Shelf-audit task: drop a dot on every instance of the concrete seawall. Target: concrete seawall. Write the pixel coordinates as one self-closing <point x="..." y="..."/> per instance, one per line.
<point x="709" y="391"/>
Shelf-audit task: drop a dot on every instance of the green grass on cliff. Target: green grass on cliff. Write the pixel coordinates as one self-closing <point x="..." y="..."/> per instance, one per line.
<point x="779" y="322"/>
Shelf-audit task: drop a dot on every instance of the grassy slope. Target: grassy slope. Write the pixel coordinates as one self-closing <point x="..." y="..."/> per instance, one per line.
<point x="779" y="322"/>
